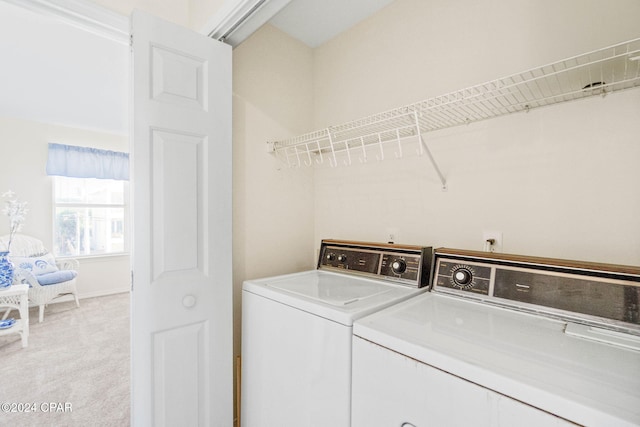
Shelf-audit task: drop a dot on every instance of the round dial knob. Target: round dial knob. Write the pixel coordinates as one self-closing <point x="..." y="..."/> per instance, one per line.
<point x="331" y="256"/>
<point x="462" y="277"/>
<point x="399" y="266"/>
<point x="342" y="258"/>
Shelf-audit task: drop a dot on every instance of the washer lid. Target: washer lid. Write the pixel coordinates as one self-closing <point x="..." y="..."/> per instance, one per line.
<point x="338" y="297"/>
<point x="331" y="289"/>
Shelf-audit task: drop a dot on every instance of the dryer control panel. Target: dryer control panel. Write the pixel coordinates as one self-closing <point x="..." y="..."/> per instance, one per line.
<point x="585" y="292"/>
<point x="463" y="275"/>
<point x="405" y="264"/>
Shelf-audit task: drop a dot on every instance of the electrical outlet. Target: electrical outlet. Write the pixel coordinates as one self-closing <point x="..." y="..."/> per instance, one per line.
<point x="392" y="235"/>
<point x="492" y="236"/>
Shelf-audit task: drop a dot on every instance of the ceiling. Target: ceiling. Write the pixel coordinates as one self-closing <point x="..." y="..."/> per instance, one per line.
<point x="58" y="73"/>
<point x="315" y="22"/>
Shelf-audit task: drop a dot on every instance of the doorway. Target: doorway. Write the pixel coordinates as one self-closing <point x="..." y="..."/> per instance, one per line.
<point x="62" y="84"/>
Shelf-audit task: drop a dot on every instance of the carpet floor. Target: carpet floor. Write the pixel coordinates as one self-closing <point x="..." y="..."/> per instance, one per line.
<point x="75" y="370"/>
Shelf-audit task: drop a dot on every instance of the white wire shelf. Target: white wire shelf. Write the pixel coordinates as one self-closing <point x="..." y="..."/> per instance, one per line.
<point x="599" y="72"/>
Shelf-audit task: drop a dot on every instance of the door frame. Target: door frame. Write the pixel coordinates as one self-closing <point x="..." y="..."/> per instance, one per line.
<point x="232" y="23"/>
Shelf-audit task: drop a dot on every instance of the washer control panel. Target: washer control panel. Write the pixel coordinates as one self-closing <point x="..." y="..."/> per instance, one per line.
<point x="404" y="264"/>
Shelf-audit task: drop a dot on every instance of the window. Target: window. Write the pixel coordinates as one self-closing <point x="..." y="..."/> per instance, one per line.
<point x="90" y="216"/>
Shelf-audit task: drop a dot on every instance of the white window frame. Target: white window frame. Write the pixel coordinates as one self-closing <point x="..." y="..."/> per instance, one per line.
<point x="126" y="225"/>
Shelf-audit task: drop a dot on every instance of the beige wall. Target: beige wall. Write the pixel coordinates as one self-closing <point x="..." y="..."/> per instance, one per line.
<point x="273" y="205"/>
<point x="416" y="49"/>
<point x="560" y="181"/>
<point x="273" y="217"/>
<point x="25" y="145"/>
<point x="200" y="11"/>
<point x="192" y="14"/>
<point x="176" y="11"/>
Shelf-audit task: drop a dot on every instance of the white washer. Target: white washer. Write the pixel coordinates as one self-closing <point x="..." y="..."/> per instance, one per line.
<point x="297" y="330"/>
<point x="504" y="340"/>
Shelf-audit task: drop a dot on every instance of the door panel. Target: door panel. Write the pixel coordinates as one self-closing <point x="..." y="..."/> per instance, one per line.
<point x="182" y="362"/>
<point x="177" y="169"/>
<point x="178" y="78"/>
<point x="180" y="356"/>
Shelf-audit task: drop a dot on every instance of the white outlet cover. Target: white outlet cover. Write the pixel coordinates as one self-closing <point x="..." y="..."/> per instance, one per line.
<point x="392" y="234"/>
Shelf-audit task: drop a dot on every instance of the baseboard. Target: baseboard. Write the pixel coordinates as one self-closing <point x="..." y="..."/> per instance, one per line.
<point x="68" y="298"/>
<point x="104" y="293"/>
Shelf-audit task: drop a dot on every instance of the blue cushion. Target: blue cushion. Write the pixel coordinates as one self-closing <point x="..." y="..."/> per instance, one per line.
<point x="56" y="277"/>
<point x="37" y="265"/>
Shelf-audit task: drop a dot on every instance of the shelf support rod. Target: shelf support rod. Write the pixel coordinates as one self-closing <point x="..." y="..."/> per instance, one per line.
<point x="297" y="156"/>
<point x="319" y="152"/>
<point x="309" y="161"/>
<point x="364" y="151"/>
<point x="286" y="155"/>
<point x="443" y="181"/>
<point x="333" y="151"/>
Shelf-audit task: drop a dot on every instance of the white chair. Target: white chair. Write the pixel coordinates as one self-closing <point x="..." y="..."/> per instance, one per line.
<point x="47" y="277"/>
<point x="16" y="298"/>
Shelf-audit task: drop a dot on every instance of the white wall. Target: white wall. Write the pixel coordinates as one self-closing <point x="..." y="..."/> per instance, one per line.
<point x="561" y="181"/>
<point x="25" y="145"/>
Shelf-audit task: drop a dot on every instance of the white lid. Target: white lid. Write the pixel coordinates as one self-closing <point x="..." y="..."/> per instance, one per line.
<point x="338" y="297"/>
<point x="527" y="357"/>
<point x="331" y="289"/>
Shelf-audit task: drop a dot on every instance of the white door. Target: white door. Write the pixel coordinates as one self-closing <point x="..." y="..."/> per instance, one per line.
<point x="182" y="290"/>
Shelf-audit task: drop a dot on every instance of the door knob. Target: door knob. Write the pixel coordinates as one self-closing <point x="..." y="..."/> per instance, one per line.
<point x="189" y="301"/>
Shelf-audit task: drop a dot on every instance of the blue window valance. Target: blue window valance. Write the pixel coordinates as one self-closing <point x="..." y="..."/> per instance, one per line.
<point x="86" y="162"/>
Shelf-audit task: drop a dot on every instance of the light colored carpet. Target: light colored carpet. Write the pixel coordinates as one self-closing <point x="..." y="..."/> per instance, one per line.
<point x="78" y="357"/>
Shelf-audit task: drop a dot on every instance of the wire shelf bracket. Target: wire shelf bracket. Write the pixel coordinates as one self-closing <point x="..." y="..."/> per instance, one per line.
<point x="424" y="147"/>
<point x="599" y="72"/>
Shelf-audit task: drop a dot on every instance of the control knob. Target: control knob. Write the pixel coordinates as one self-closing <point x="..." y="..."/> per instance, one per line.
<point x="342" y="258"/>
<point x="462" y="277"/>
<point x="331" y="256"/>
<point x="399" y="266"/>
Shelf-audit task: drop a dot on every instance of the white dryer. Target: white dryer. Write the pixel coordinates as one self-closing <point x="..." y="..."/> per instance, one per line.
<point x="504" y="340"/>
<point x="297" y="330"/>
